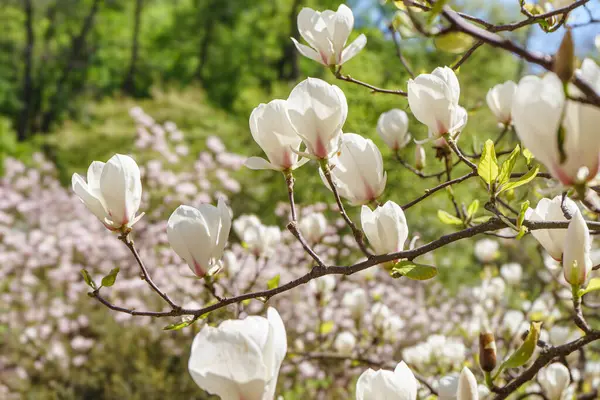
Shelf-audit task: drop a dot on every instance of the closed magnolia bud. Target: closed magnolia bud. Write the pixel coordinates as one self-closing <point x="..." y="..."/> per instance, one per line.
<point x="327" y="32"/>
<point x="317" y="111"/>
<point x="240" y="356"/>
<point x="433" y="100"/>
<point x="358" y="171"/>
<point x="113" y="191"/>
<point x="499" y="100"/>
<point x="384" y="384"/>
<point x="420" y="157"/>
<point x="577" y="263"/>
<point x="554" y="380"/>
<point x="385" y="227"/>
<point x="467" y="386"/>
<point x="199" y="235"/>
<point x="487" y="351"/>
<point x="345" y="343"/>
<point x="392" y="127"/>
<point x="553" y="240"/>
<point x="564" y="59"/>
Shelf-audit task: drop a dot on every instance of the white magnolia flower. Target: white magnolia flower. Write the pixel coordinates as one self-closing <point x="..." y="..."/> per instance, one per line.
<point x="499" y="100"/>
<point x="113" y="191"/>
<point x="327" y="33"/>
<point x="241" y="358"/>
<point x="345" y="343"/>
<point x="486" y="250"/>
<point x="467" y="386"/>
<point x="358" y="170"/>
<point x="323" y="286"/>
<point x="577" y="263"/>
<point x="553" y="240"/>
<point x="545" y="98"/>
<point x="554" y="380"/>
<point x="433" y="100"/>
<point x="273" y="132"/>
<point x="512" y="273"/>
<point x="317" y="111"/>
<point x="379" y="314"/>
<point x="357" y="301"/>
<point x="313" y="227"/>
<point x="514" y="322"/>
<point x="392" y="126"/>
<point x="199" y="235"/>
<point x="420" y="157"/>
<point x="385" y="227"/>
<point x="383" y="384"/>
<point x="258" y="238"/>
<point x="447" y="387"/>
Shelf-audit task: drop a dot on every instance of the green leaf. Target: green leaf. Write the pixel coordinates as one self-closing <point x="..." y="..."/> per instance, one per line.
<point x="522" y="232"/>
<point x="524" y="352"/>
<point x="528" y="177"/>
<point x="592" y="286"/>
<point x="436" y="9"/>
<point x="448" y="218"/>
<point x="88" y="279"/>
<point x="521" y="217"/>
<point x="508" y="165"/>
<point x="481" y="220"/>
<point x="414" y="271"/>
<point x="273" y="282"/>
<point x="528" y="156"/>
<point x="488" y="164"/>
<point x="110" y="279"/>
<point x="453" y="42"/>
<point x="326" y="327"/>
<point x="473" y="207"/>
<point x="185" y="322"/>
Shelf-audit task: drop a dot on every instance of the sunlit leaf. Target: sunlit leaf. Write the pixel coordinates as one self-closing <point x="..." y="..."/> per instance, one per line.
<point x="473" y="207"/>
<point x="508" y="165"/>
<point x="88" y="279"/>
<point x="110" y="279"/>
<point x="273" y="282"/>
<point x="592" y="286"/>
<point x="488" y="164"/>
<point x="525" y="351"/>
<point x="448" y="218"/>
<point x="528" y="177"/>
<point x="453" y="42"/>
<point x="412" y="270"/>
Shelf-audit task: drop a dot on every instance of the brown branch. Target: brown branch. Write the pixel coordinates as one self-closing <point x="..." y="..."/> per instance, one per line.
<point x="401" y="57"/>
<point x="374" y="89"/>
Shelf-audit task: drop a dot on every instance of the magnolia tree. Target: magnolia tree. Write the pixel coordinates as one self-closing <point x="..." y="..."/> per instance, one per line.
<point x="543" y="347"/>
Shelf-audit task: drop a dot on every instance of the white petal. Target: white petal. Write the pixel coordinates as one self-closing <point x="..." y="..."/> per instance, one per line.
<point x="467" y="386"/>
<point x="309" y="52"/>
<point x="91" y="202"/>
<point x="408" y="381"/>
<point x="121" y="188"/>
<point x="353" y="48"/>
<point x="189" y="236"/>
<point x="259" y="163"/>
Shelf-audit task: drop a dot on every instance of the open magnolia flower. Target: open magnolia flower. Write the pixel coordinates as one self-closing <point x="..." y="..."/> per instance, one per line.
<point x="317" y="111"/>
<point x="433" y="100"/>
<point x="113" y="191"/>
<point x="327" y="33"/>
<point x="272" y="131"/>
<point x="554" y="380"/>
<point x="199" y="235"/>
<point x="400" y="384"/>
<point x="240" y="359"/>
<point x="539" y="112"/>
<point x="358" y="171"/>
<point x="258" y="238"/>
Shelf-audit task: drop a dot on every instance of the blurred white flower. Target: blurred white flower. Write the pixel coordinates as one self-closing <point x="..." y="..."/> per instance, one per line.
<point x="327" y="33"/>
<point x="240" y="358"/>
<point x="357" y="301"/>
<point x="199" y="235"/>
<point x="420" y="157"/>
<point x="113" y="191"/>
<point x="392" y="127"/>
<point x="499" y="100"/>
<point x="323" y="286"/>
<point x="512" y="273"/>
<point x="554" y="380"/>
<point x="313" y="227"/>
<point x="357" y="170"/>
<point x="486" y="250"/>
<point x="345" y="343"/>
<point x="258" y="238"/>
<point x="447" y="387"/>
<point x="400" y="384"/>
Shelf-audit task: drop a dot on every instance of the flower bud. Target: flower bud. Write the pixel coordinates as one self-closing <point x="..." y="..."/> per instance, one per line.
<point x="345" y="343"/>
<point x="577" y="263"/>
<point x="384" y="384"/>
<point x="385" y="227"/>
<point x="553" y="240"/>
<point x="356" y="301"/>
<point x="512" y="273"/>
<point x="467" y="386"/>
<point x="554" y="380"/>
<point x="499" y="100"/>
<point x="564" y="59"/>
<point x="392" y="127"/>
<point x="313" y="227"/>
<point x="487" y="351"/>
<point x="420" y="157"/>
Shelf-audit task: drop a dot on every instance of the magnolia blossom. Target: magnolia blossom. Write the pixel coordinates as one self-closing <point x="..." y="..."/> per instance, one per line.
<point x="467" y="386"/>
<point x="345" y="343"/>
<point x="544" y="98"/>
<point x="272" y="131"/>
<point x="553" y="240"/>
<point x="258" y="238"/>
<point x="499" y="100"/>
<point x="317" y="111"/>
<point x="240" y="359"/>
<point x="554" y="380"/>
<point x="392" y="126"/>
<point x="385" y="227"/>
<point x="313" y="227"/>
<point x="420" y="157"/>
<point x="486" y="250"/>
<point x="198" y="235"/>
<point x="323" y="286"/>
<point x="447" y="387"/>
<point x="113" y="191"/>
<point x="357" y="301"/>
<point x="577" y="263"/>
<point x="433" y="100"/>
<point x="327" y="33"/>
<point x="383" y="384"/>
<point x="512" y="273"/>
<point x="358" y="171"/>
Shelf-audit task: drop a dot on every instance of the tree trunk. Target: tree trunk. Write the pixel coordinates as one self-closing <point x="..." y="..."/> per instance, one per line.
<point x="77" y="47"/>
<point x="129" y="82"/>
<point x="27" y="95"/>
<point x="289" y="57"/>
<point x="209" y="26"/>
